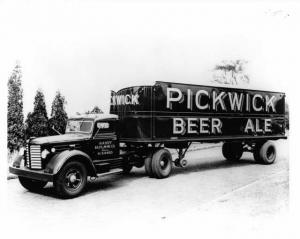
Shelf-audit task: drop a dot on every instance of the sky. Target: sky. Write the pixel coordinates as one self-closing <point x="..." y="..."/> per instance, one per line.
<point x="87" y="48"/>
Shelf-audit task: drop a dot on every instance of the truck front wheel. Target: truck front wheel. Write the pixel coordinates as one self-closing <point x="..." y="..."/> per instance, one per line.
<point x="71" y="179"/>
<point x="232" y="151"/>
<point x="265" y="153"/>
<point x="161" y="163"/>
<point x="32" y="184"/>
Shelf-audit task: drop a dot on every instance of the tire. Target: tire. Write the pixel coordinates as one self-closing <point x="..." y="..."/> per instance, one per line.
<point x="71" y="179"/>
<point x="127" y="168"/>
<point x="32" y="184"/>
<point x="256" y="152"/>
<point x="139" y="164"/>
<point x="161" y="163"/>
<point x="148" y="166"/>
<point x="265" y="153"/>
<point x="232" y="151"/>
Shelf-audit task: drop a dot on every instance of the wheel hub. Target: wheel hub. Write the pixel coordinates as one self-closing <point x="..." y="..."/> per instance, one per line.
<point x="72" y="178"/>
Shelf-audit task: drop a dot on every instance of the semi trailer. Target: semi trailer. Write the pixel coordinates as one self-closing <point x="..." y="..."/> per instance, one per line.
<point x="144" y="123"/>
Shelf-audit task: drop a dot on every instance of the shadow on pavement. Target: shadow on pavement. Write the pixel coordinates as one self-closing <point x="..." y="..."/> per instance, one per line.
<point x="111" y="182"/>
<point x="209" y="165"/>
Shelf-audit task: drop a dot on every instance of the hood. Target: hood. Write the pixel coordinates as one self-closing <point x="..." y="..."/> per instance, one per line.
<point x="59" y="138"/>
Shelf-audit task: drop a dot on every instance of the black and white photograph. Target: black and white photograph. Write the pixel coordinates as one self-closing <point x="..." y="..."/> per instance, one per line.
<point x="149" y="119"/>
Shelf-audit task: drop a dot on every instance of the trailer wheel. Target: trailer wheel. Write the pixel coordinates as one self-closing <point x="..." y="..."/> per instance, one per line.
<point x="256" y="152"/>
<point x="148" y="166"/>
<point x="32" y="184"/>
<point x="71" y="179"/>
<point x="265" y="153"/>
<point x="232" y="151"/>
<point x="161" y="163"/>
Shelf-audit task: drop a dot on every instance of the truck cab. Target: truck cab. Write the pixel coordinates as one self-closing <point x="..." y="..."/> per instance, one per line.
<point x="102" y="135"/>
<point x="90" y="146"/>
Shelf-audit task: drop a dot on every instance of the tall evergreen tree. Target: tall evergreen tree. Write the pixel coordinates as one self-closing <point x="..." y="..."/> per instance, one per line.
<point x="15" y="117"/>
<point x="58" y="120"/>
<point x="37" y="121"/>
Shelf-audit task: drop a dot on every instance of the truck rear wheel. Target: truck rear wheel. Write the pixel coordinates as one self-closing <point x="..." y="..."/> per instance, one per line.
<point x="148" y="166"/>
<point x="232" y="151"/>
<point x="265" y="153"/>
<point x="161" y="163"/>
<point x="32" y="184"/>
<point x="71" y="179"/>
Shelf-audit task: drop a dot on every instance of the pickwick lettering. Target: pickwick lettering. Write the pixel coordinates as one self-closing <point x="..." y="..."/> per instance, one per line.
<point x="216" y="101"/>
<point x="128" y="99"/>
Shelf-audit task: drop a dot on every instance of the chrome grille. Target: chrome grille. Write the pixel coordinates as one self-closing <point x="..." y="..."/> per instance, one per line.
<point x="34" y="158"/>
<point x="27" y="156"/>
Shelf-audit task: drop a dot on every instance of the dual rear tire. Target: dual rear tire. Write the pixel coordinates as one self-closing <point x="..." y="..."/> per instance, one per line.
<point x="265" y="153"/>
<point x="159" y="165"/>
<point x="232" y="151"/>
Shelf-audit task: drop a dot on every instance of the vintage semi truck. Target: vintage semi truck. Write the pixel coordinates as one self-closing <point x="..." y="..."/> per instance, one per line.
<point x="144" y="123"/>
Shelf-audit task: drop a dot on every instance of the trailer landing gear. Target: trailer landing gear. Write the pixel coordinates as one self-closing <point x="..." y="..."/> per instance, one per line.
<point x="181" y="161"/>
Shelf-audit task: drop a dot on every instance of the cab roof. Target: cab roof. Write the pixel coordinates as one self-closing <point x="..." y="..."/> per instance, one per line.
<point x="95" y="116"/>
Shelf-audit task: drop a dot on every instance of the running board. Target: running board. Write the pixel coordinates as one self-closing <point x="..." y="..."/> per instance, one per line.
<point x="113" y="171"/>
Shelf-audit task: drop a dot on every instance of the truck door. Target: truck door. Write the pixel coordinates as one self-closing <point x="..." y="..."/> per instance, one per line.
<point x="105" y="142"/>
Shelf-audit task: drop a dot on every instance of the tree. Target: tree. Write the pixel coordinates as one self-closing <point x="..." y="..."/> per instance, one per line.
<point x="287" y="116"/>
<point x="15" y="117"/>
<point x="59" y="117"/>
<point x="231" y="72"/>
<point x="95" y="110"/>
<point x="37" y="121"/>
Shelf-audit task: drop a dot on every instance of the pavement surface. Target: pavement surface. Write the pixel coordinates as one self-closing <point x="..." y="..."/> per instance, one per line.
<point x="209" y="193"/>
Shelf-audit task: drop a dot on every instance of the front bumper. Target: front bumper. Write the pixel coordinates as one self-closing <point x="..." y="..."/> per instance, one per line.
<point x="33" y="174"/>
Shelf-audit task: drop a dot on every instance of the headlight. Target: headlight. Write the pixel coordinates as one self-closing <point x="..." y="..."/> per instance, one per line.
<point x="21" y="151"/>
<point x="45" y="152"/>
<point x="53" y="150"/>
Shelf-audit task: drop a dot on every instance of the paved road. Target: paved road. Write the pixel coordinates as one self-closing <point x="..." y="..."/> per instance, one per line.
<point x="208" y="186"/>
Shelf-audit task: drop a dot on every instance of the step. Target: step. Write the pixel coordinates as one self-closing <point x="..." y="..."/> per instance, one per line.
<point x="113" y="171"/>
<point x="100" y="161"/>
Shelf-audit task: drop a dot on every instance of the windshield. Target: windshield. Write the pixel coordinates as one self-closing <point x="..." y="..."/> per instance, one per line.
<point x="79" y="126"/>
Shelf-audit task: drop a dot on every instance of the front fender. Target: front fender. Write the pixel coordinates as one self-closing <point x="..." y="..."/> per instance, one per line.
<point x="58" y="160"/>
<point x="17" y="161"/>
